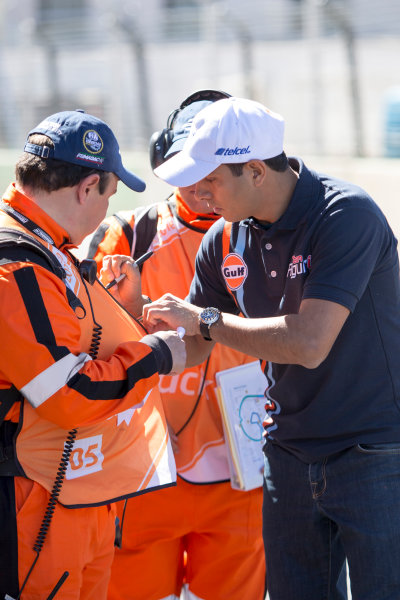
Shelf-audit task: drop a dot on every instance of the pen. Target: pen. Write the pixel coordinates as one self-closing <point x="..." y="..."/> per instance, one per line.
<point x="139" y="262"/>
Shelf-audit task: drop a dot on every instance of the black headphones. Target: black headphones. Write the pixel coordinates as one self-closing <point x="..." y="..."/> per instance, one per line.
<point x="161" y="141"/>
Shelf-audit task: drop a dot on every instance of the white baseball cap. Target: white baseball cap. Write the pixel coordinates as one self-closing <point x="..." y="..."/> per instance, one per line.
<point x="232" y="130"/>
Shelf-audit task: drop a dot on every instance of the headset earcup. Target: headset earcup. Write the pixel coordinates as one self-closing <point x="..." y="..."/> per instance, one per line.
<point x="160" y="143"/>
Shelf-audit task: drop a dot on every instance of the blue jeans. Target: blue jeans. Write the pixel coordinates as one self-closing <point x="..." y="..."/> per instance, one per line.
<point x="315" y="516"/>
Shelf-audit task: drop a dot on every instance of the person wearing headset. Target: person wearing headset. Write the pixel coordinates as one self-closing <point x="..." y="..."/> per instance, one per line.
<point x="203" y="536"/>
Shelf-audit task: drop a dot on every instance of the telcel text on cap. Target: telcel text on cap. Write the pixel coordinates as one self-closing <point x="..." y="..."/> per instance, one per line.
<point x="232" y="130"/>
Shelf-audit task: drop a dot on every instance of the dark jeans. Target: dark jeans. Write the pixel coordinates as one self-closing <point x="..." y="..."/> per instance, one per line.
<point x="315" y="516"/>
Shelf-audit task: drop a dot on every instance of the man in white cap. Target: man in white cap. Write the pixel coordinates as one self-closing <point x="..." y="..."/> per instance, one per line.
<point x="312" y="265"/>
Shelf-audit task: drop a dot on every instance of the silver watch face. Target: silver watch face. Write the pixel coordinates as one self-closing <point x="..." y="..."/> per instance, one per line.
<point x="209" y="315"/>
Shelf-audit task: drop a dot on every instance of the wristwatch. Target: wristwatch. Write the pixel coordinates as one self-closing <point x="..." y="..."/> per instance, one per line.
<point x="208" y="317"/>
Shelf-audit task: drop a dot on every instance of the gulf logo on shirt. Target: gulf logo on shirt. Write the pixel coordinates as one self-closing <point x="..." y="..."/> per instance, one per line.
<point x="234" y="270"/>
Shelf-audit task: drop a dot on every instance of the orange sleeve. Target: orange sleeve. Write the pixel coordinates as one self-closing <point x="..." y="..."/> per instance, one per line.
<point x="42" y="356"/>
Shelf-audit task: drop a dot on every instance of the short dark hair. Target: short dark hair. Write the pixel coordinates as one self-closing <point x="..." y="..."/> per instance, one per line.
<point x="276" y="163"/>
<point x="49" y="174"/>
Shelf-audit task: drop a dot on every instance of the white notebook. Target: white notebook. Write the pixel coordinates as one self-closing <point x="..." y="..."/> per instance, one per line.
<point x="241" y="400"/>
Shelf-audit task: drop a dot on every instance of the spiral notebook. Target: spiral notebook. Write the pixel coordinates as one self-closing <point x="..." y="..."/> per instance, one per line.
<point x="240" y="392"/>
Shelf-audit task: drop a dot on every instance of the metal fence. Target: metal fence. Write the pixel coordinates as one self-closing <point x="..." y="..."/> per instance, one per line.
<point x="328" y="66"/>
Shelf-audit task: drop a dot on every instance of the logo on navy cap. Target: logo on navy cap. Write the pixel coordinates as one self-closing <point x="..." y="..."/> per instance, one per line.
<point x="92" y="142"/>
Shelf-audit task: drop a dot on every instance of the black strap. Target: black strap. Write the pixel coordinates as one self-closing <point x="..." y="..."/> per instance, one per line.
<point x="7" y="399"/>
<point x="97" y="237"/>
<point x="8" y="539"/>
<point x="9" y="465"/>
<point x="126" y="228"/>
<point x="145" y="217"/>
<point x="145" y="228"/>
<point x="16" y="246"/>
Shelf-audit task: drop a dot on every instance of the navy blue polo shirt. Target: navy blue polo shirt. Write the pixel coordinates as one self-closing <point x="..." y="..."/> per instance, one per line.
<point x="332" y="243"/>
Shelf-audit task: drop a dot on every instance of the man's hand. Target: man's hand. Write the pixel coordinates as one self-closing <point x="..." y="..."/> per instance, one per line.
<point x="170" y="312"/>
<point x="177" y="348"/>
<point x="128" y="291"/>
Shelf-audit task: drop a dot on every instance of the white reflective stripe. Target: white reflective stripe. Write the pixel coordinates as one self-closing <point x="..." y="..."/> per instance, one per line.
<point x="239" y="249"/>
<point x="154" y="461"/>
<point x="48" y="382"/>
<point x="165" y="472"/>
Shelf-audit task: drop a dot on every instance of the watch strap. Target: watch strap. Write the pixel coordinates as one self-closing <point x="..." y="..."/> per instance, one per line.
<point x="205" y="331"/>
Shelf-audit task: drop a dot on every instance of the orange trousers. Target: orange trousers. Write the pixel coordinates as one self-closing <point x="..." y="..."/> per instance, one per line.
<point x="206" y="537"/>
<point x="80" y="541"/>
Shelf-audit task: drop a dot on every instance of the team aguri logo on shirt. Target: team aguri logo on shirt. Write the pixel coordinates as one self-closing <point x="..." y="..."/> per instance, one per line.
<point x="299" y="266"/>
<point x="234" y="270"/>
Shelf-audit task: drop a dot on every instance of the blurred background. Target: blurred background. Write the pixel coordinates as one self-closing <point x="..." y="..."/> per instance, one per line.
<point x="330" y="67"/>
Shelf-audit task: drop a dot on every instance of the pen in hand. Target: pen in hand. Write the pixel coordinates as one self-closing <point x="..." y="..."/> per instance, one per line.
<point x="139" y="262"/>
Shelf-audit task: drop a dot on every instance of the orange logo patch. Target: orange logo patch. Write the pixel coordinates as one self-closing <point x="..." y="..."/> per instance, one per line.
<point x="234" y="270"/>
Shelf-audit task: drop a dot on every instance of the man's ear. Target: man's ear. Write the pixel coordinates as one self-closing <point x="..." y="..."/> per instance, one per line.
<point x="86" y="186"/>
<point x="257" y="170"/>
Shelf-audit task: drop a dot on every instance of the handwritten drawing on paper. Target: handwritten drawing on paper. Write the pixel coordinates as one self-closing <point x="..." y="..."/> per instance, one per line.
<point x="241" y="396"/>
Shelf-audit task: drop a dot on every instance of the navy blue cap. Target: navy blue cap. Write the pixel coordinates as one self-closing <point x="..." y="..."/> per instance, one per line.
<point x="84" y="140"/>
<point x="182" y="123"/>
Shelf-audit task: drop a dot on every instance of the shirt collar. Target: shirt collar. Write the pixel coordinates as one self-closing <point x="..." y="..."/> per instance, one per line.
<point x="27" y="207"/>
<point x="304" y="197"/>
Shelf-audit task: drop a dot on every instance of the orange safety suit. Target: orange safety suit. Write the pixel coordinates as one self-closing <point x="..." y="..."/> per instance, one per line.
<point x="202" y="534"/>
<point x="79" y="367"/>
